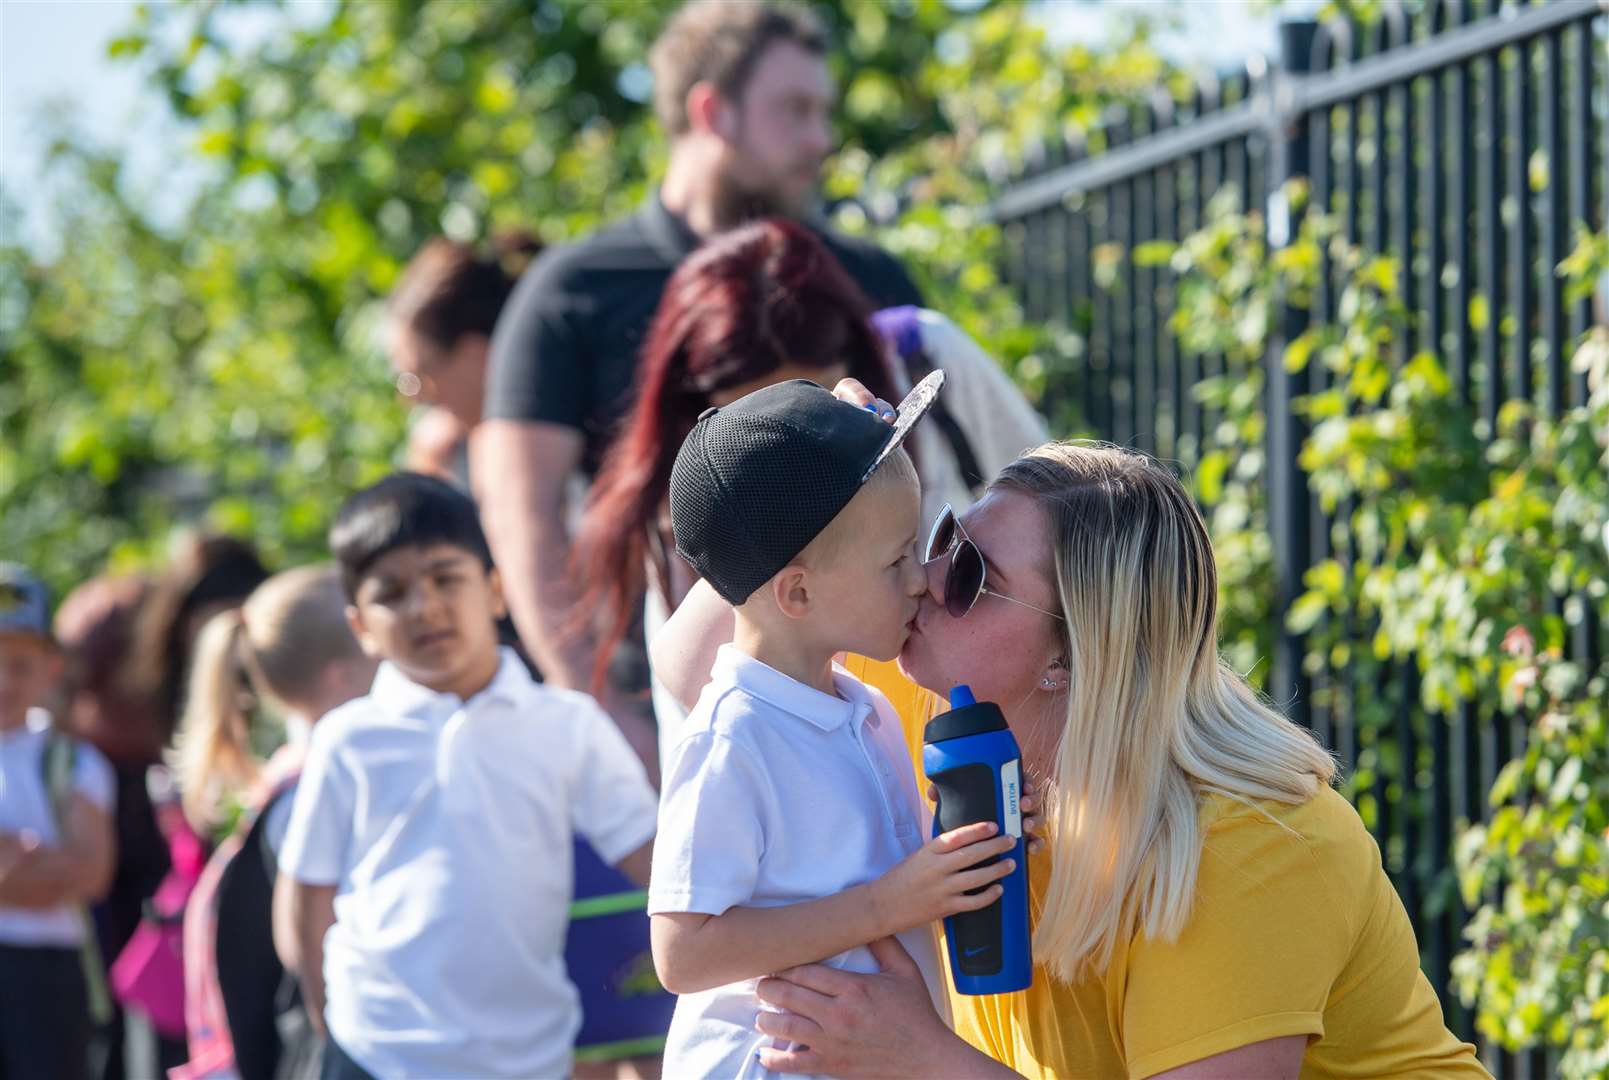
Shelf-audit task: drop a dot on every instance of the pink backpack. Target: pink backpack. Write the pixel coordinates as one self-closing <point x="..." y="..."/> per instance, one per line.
<point x="148" y="975"/>
<point x="211" y="1040"/>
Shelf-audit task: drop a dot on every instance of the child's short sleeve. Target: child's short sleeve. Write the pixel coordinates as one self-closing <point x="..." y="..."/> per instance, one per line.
<point x="93" y="777"/>
<point x="322" y="816"/>
<point x="613" y="805"/>
<point x="711" y="831"/>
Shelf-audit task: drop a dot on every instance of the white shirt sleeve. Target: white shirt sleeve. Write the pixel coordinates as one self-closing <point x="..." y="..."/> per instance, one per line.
<point x="93" y="777"/>
<point x="612" y="803"/>
<point x="711" y="828"/>
<point x="322" y="817"/>
<point x="278" y="822"/>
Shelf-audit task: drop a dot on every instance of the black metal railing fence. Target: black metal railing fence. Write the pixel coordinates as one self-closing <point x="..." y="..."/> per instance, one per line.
<point x="1465" y="140"/>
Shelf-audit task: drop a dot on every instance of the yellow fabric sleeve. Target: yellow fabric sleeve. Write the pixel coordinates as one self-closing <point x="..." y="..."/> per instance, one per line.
<point x="1271" y="928"/>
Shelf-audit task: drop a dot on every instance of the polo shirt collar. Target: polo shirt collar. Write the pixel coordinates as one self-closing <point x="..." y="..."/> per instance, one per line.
<point x="829" y="712"/>
<point x="397" y="694"/>
<point x="667" y="232"/>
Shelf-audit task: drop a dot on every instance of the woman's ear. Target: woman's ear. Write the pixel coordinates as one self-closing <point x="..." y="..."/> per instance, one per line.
<point x="1054" y="679"/>
<point x="791" y="591"/>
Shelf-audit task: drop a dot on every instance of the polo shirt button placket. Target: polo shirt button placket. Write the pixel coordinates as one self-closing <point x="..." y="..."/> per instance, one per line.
<point x="864" y="715"/>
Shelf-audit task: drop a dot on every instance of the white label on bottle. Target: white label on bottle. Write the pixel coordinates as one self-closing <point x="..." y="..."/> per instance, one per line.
<point x="1010" y="792"/>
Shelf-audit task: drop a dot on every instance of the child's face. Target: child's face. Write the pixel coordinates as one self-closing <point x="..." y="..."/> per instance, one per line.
<point x="869" y="587"/>
<point x="29" y="667"/>
<point x="433" y="612"/>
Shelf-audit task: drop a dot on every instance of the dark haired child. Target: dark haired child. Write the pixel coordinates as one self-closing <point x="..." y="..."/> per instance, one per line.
<point x="426" y="869"/>
<point x="791" y="830"/>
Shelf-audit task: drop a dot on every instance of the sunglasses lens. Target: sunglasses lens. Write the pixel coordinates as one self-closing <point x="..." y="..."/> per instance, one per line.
<point x="943" y="534"/>
<point x="965" y="579"/>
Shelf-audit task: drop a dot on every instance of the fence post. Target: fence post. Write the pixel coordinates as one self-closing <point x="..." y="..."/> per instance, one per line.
<point x="1288" y="502"/>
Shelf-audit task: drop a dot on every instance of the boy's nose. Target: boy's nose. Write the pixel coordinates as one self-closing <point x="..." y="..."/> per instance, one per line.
<point x="422" y="599"/>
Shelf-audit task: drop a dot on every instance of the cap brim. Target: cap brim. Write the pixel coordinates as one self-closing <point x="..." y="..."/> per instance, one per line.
<point x="912" y="409"/>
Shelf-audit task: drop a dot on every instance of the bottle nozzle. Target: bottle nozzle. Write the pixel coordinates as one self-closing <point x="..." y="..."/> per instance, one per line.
<point x="961" y="697"/>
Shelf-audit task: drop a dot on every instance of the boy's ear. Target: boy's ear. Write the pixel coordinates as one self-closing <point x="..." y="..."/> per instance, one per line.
<point x="499" y="605"/>
<point x="791" y="590"/>
<point x="366" y="642"/>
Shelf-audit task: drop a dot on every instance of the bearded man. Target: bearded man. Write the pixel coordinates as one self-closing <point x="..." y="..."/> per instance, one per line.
<point x="743" y="93"/>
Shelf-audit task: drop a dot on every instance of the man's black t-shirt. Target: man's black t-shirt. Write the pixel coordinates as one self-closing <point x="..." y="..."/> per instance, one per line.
<point x="566" y="346"/>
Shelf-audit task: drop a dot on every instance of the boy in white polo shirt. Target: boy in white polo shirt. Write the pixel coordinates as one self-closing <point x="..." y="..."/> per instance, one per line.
<point x="426" y="872"/>
<point x="791" y="830"/>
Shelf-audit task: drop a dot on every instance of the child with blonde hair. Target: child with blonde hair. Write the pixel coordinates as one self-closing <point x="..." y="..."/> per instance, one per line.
<point x="286" y="655"/>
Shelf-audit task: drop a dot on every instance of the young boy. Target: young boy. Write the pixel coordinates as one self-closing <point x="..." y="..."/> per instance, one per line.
<point x="790" y="829"/>
<point x="56" y="851"/>
<point x="426" y="875"/>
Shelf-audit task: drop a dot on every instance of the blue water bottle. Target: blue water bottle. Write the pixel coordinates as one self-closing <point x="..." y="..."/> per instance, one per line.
<point x="971" y="757"/>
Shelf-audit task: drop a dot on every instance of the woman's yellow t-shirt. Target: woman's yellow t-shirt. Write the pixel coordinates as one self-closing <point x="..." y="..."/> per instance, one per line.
<point x="1295" y="930"/>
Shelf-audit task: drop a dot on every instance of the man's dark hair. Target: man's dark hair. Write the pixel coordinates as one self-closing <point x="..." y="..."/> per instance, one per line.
<point x="405" y="509"/>
<point x="719" y="42"/>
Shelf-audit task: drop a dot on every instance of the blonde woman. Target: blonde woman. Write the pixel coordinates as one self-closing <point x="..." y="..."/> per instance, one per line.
<point x="288" y="648"/>
<point x="1206" y="905"/>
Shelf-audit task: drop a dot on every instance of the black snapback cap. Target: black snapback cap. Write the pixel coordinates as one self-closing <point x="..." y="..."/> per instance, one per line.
<point x="757" y="480"/>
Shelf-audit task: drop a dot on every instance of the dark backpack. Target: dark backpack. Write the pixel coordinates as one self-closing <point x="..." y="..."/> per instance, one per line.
<point x="257" y="991"/>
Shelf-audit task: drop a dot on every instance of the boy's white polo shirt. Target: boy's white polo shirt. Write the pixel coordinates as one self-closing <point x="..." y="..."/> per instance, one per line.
<point x="777" y="793"/>
<point x="447" y="826"/>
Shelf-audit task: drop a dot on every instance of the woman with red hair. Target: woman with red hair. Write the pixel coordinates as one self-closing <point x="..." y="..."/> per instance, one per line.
<point x="758" y="305"/>
<point x="754" y="306"/>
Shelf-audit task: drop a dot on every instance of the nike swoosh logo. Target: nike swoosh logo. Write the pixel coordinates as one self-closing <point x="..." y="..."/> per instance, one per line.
<point x="976" y="951"/>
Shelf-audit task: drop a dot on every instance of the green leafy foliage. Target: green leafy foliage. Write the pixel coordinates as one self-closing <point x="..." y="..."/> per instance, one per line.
<point x="1452" y="558"/>
<point x="227" y="366"/>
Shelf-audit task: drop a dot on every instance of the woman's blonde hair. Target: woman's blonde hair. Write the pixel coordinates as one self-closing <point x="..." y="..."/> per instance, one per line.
<point x="277" y="646"/>
<point x="1155" y="720"/>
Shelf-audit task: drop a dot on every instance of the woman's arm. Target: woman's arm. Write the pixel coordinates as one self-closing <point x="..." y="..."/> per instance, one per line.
<point x="853" y="1025"/>
<point x="1271" y="1059"/>
<point x="683" y="651"/>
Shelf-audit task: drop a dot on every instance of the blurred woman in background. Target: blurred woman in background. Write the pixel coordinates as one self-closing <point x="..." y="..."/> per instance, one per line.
<point x="440" y="319"/>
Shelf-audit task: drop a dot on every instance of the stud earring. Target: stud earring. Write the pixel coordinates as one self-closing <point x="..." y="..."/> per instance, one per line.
<point x="1048" y="683"/>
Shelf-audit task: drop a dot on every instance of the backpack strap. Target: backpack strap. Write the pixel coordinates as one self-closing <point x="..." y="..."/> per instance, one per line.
<point x="902" y="327"/>
<point x="59" y="761"/>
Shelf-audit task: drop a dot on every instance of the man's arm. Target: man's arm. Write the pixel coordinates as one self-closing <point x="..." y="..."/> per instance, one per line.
<point x="76" y="872"/>
<point x="520" y="471"/>
<point x="303" y="914"/>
